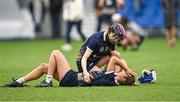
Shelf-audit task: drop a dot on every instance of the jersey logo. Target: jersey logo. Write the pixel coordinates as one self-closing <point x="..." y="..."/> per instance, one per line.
<point x="94" y="55"/>
<point x="107" y="48"/>
<point x="101" y="49"/>
<point x="104" y="49"/>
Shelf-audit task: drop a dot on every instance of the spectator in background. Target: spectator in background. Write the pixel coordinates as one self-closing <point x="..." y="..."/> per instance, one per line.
<point x="98" y="10"/>
<point x="37" y="9"/>
<point x="170" y="8"/>
<point x="107" y="8"/>
<point x="55" y="8"/>
<point x="27" y="17"/>
<point x="72" y="14"/>
<point x="134" y="33"/>
<point x="23" y="3"/>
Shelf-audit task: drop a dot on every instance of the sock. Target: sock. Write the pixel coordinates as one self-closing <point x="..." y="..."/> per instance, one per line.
<point x="49" y="78"/>
<point x="21" y="80"/>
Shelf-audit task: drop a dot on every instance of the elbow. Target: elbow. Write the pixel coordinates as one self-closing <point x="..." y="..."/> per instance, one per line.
<point x="116" y="54"/>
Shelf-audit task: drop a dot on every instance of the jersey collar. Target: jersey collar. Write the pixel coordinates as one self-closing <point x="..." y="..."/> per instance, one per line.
<point x="104" y="35"/>
<point x="116" y="82"/>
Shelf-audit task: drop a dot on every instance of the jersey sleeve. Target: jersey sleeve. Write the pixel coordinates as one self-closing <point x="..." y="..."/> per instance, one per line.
<point x="92" y="45"/>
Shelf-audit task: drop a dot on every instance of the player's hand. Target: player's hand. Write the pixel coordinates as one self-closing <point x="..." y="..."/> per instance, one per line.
<point x="130" y="73"/>
<point x="87" y="77"/>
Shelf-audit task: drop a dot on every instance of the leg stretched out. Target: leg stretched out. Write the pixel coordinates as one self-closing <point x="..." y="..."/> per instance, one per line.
<point x="57" y="67"/>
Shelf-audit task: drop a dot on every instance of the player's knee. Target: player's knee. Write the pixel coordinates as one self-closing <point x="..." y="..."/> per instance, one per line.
<point x="124" y="42"/>
<point x="44" y="67"/>
<point x="56" y="52"/>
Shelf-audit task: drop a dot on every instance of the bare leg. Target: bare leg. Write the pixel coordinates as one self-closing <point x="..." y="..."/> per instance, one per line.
<point x="57" y="68"/>
<point x="39" y="71"/>
<point x="125" y="43"/>
<point x="36" y="73"/>
<point x="44" y="68"/>
<point x="131" y="38"/>
<point x="171" y="36"/>
<point x="167" y="36"/>
<point x="52" y="64"/>
<point x="61" y="63"/>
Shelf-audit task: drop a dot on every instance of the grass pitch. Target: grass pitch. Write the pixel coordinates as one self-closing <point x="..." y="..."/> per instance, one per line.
<point x="17" y="58"/>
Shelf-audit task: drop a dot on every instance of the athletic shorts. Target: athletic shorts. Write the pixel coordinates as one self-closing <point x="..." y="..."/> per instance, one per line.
<point x="90" y="65"/>
<point x="107" y="18"/>
<point x="70" y="79"/>
<point x="170" y="19"/>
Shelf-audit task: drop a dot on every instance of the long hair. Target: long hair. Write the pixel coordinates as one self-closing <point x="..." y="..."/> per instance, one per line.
<point x="130" y="80"/>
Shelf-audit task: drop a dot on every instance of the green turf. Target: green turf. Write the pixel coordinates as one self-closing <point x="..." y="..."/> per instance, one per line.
<point x="19" y="57"/>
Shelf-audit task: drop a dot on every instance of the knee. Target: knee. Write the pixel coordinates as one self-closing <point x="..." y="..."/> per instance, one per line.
<point x="124" y="42"/>
<point x="44" y="67"/>
<point x="55" y="51"/>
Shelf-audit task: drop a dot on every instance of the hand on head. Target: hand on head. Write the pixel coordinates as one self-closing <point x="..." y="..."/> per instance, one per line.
<point x="130" y="72"/>
<point x="124" y="79"/>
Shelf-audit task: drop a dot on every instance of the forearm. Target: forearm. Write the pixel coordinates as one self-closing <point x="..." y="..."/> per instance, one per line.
<point x="84" y="65"/>
<point x="116" y="54"/>
<point x="84" y="60"/>
<point x="122" y="63"/>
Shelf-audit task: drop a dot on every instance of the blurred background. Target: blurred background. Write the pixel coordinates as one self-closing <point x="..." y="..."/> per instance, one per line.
<point x="32" y="19"/>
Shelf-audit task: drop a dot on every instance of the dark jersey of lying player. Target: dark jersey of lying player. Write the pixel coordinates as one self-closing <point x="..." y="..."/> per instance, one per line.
<point x="99" y="79"/>
<point x="103" y="79"/>
<point x="99" y="46"/>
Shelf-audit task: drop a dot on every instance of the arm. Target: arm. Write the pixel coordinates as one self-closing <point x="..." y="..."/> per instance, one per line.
<point x="117" y="61"/>
<point x="117" y="64"/>
<point x="86" y="55"/>
<point x="116" y="54"/>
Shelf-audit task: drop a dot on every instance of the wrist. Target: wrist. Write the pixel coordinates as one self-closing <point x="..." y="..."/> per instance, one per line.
<point x="127" y="69"/>
<point x="85" y="72"/>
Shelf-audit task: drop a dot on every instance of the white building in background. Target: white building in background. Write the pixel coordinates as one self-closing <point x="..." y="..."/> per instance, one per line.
<point x="15" y="23"/>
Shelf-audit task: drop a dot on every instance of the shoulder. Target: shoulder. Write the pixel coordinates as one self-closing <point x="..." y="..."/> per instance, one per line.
<point x="98" y="35"/>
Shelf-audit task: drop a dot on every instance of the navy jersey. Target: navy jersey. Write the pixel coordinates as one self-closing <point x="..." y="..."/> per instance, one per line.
<point x="103" y="79"/>
<point x="100" y="47"/>
<point x="100" y="79"/>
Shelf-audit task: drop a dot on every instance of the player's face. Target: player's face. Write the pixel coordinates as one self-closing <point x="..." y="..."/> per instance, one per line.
<point x="113" y="38"/>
